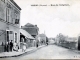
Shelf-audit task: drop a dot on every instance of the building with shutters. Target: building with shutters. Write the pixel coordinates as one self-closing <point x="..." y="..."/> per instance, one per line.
<point x="9" y="22"/>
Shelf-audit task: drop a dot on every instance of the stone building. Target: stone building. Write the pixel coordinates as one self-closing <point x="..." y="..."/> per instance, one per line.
<point x="9" y="22"/>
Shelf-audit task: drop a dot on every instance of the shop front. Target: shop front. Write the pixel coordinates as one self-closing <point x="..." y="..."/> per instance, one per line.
<point x="26" y="39"/>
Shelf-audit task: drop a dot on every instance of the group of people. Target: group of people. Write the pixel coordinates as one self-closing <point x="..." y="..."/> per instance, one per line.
<point x="8" y="46"/>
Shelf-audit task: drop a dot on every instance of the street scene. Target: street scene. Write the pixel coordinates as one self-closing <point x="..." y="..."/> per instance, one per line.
<point x="49" y="52"/>
<point x="39" y="29"/>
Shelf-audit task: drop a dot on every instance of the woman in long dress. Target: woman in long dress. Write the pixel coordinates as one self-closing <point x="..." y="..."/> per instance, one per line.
<point x="24" y="48"/>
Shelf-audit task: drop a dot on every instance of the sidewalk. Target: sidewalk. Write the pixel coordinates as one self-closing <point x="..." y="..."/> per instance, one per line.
<point x="19" y="53"/>
<point x="76" y="51"/>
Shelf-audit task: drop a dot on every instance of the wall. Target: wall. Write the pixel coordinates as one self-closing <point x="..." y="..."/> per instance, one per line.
<point x="2" y="24"/>
<point x="2" y="10"/>
<point x="14" y="13"/>
<point x="15" y="30"/>
<point x="11" y="26"/>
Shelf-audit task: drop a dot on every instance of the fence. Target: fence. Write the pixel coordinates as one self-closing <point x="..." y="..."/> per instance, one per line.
<point x="69" y="45"/>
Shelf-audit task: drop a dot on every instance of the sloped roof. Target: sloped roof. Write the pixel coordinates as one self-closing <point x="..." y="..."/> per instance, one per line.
<point x="26" y="34"/>
<point x="15" y="4"/>
<point x="31" y="31"/>
<point x="29" y="25"/>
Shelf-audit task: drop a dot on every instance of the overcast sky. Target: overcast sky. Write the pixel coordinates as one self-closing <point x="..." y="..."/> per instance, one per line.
<point x="52" y="19"/>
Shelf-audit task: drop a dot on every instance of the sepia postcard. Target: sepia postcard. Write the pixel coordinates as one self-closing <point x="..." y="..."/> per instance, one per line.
<point x="39" y="29"/>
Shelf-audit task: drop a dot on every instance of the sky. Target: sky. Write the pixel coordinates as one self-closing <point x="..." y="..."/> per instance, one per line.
<point x="52" y="19"/>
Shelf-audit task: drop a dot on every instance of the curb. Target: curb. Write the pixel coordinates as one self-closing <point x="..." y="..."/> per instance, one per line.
<point x="22" y="53"/>
<point x="15" y="55"/>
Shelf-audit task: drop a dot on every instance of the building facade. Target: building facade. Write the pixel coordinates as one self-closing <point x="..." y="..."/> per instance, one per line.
<point x="9" y="22"/>
<point x="42" y="39"/>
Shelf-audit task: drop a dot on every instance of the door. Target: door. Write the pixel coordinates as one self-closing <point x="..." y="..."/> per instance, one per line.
<point x="7" y="36"/>
<point x="10" y="36"/>
<point x="79" y="43"/>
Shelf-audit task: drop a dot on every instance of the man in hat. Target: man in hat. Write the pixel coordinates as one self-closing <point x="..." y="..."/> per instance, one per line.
<point x="11" y="45"/>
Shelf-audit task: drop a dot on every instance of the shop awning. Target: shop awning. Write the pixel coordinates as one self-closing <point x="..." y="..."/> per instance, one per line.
<point x="26" y="34"/>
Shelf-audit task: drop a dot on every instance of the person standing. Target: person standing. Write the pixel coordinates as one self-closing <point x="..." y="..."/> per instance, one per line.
<point x="24" y="48"/>
<point x="11" y="45"/>
<point x="7" y="46"/>
<point x="37" y="43"/>
<point x="46" y="40"/>
<point x="14" y="48"/>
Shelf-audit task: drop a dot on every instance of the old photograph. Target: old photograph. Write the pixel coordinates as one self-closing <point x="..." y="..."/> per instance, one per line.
<point x="39" y="29"/>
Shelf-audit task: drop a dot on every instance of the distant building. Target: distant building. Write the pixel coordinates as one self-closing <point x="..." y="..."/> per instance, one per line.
<point x="51" y="40"/>
<point x="42" y="38"/>
<point x="31" y="29"/>
<point x="9" y="22"/>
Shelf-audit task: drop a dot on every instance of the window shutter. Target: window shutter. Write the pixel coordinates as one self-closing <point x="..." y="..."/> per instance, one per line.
<point x="16" y="21"/>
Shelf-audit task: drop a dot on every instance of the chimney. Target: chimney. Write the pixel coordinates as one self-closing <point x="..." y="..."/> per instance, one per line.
<point x="36" y="25"/>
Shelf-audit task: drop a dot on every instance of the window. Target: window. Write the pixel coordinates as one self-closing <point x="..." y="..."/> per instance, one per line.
<point x="3" y="1"/>
<point x="15" y="36"/>
<point x="16" y="12"/>
<point x="9" y="6"/>
<point x="10" y="32"/>
<point x="13" y="20"/>
<point x="7" y="15"/>
<point x="16" y="21"/>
